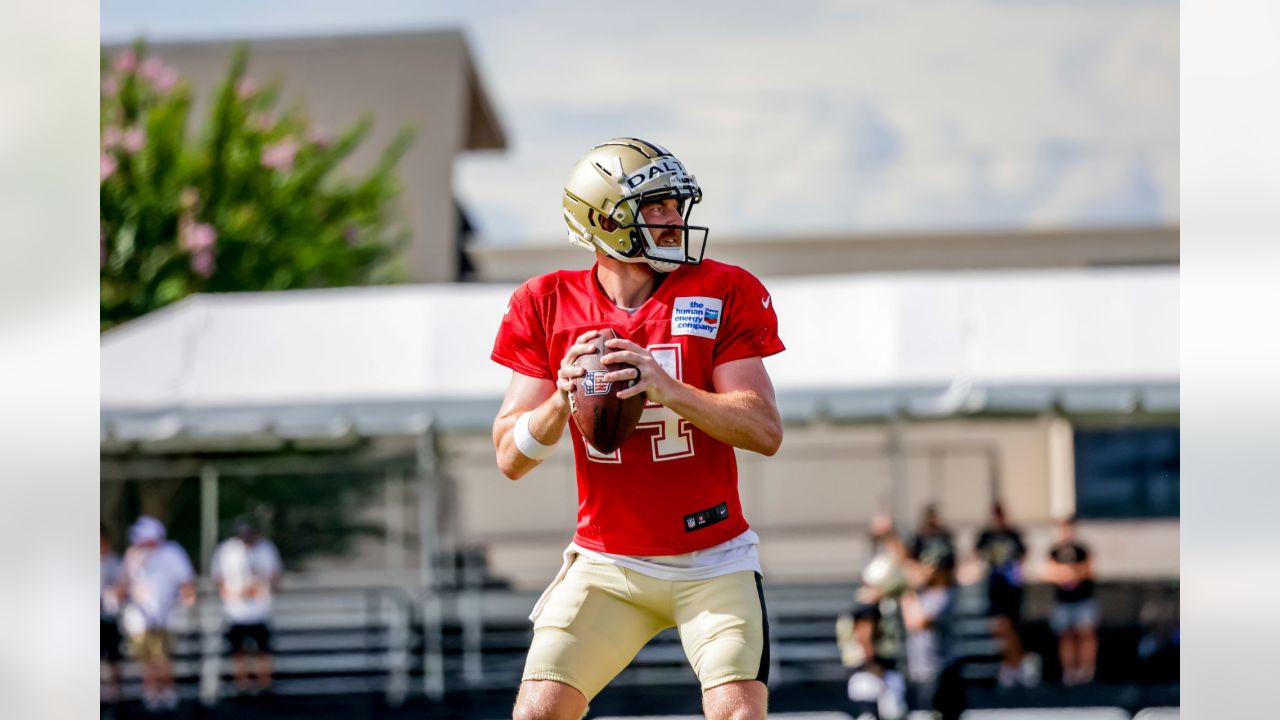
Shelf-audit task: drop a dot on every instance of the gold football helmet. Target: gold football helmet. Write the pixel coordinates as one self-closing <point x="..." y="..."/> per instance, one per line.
<point x="602" y="203"/>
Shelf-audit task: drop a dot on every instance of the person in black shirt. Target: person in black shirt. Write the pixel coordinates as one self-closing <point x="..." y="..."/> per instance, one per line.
<point x="1000" y="547"/>
<point x="1075" y="616"/>
<point x="927" y="613"/>
<point x="932" y="548"/>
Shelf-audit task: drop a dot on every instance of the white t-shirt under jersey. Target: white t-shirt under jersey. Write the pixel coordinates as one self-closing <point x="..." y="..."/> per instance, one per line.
<point x="733" y="555"/>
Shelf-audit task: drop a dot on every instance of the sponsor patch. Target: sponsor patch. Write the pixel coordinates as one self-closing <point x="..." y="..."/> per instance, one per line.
<point x="699" y="316"/>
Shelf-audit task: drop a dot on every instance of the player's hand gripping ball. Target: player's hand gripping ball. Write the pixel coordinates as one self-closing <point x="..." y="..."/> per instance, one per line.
<point x="605" y="421"/>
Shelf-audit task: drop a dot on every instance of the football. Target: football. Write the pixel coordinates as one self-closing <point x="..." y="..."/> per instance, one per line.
<point x="604" y="420"/>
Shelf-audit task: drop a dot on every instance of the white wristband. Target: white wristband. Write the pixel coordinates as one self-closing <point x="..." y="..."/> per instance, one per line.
<point x="527" y="444"/>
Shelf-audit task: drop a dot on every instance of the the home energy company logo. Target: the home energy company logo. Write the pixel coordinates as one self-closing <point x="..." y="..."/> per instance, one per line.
<point x="698" y="316"/>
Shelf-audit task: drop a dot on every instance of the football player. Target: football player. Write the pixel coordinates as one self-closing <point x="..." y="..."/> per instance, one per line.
<point x="661" y="540"/>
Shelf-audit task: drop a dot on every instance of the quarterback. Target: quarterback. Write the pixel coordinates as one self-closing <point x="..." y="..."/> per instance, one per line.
<point x="661" y="540"/>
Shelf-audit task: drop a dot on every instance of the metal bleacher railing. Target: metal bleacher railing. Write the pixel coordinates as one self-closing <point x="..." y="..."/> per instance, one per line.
<point x="383" y="640"/>
<point x="325" y="641"/>
<point x="386" y="641"/>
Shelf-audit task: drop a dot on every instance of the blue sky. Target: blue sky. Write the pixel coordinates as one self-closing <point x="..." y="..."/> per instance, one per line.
<point x="841" y="117"/>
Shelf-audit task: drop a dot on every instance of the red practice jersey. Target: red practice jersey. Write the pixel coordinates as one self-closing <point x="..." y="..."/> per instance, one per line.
<point x="671" y="488"/>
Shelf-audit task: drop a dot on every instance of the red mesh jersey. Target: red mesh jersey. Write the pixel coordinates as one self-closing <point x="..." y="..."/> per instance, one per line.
<point x="670" y="488"/>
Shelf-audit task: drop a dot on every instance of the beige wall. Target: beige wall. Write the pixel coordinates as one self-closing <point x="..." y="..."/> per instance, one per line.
<point x="811" y="503"/>
<point x="423" y="79"/>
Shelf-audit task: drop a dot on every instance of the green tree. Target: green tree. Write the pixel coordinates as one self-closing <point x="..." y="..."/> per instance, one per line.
<point x="255" y="202"/>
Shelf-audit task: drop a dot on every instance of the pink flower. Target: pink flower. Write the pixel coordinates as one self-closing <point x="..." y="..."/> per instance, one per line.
<point x="246" y="87"/>
<point x="111" y="136"/>
<point x="203" y="264"/>
<point x="197" y="237"/>
<point x="280" y="155"/>
<point x="109" y="85"/>
<point x="126" y="62"/>
<point x="106" y="167"/>
<point x="133" y="140"/>
<point x="317" y="136"/>
<point x="150" y="69"/>
<point x="167" y="78"/>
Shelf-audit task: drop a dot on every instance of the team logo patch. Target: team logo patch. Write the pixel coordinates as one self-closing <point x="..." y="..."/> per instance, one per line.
<point x="593" y="383"/>
<point x="698" y="316"/>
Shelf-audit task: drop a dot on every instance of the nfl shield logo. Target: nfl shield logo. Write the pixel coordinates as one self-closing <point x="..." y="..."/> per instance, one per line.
<point x="593" y="383"/>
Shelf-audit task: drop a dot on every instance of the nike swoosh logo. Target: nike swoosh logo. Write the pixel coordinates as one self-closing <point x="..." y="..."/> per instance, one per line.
<point x="765" y="302"/>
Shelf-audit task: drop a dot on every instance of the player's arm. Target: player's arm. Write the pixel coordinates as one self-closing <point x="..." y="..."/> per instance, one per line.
<point x="546" y="402"/>
<point x="742" y="411"/>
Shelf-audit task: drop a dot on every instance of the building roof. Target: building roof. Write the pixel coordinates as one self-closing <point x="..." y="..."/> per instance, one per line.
<point x="329" y="364"/>
<point x="861" y="252"/>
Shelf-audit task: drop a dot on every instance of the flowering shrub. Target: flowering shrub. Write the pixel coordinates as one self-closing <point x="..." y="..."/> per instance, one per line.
<point x="253" y="203"/>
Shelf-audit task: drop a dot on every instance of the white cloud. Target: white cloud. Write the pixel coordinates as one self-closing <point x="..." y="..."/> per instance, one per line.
<point x="848" y="116"/>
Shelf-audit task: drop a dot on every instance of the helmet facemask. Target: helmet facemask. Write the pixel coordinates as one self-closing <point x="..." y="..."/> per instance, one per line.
<point x="666" y="256"/>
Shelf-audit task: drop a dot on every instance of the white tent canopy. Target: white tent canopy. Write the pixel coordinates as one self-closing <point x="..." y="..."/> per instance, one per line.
<point x="389" y="360"/>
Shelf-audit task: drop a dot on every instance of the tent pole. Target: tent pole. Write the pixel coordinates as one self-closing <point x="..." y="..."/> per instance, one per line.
<point x="208" y="515"/>
<point x="899" y="490"/>
<point x="210" y="623"/>
<point x="393" y="492"/>
<point x="433" y="684"/>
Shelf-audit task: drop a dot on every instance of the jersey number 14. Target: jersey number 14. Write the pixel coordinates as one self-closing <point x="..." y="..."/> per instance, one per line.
<point x="670" y="436"/>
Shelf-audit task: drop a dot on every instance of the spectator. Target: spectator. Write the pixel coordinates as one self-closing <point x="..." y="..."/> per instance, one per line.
<point x="1075" y="616"/>
<point x="1000" y="547"/>
<point x="157" y="576"/>
<point x="247" y="569"/>
<point x="109" y="616"/>
<point x="932" y="548"/>
<point x="928" y="612"/>
<point x="870" y="635"/>
<point x="1158" y="648"/>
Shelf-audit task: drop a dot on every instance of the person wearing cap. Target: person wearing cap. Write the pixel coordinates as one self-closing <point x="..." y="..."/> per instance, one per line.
<point x="156" y="577"/>
<point x="247" y="569"/>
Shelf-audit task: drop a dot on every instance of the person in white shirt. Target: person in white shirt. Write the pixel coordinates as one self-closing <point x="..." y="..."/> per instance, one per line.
<point x="247" y="569"/>
<point x="155" y="577"/>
